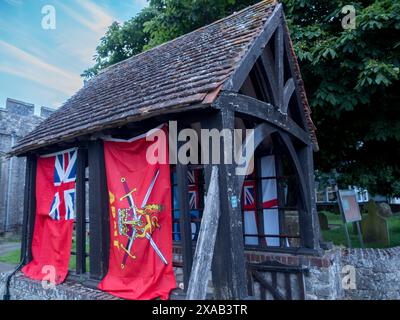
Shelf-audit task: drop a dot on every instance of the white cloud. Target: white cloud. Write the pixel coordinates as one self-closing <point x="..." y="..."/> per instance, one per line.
<point x="28" y="66"/>
<point x="48" y="64"/>
<point x="141" y="3"/>
<point x="101" y="17"/>
<point x="79" y="50"/>
<point x="90" y="15"/>
<point x="91" y="21"/>
<point x="14" y="2"/>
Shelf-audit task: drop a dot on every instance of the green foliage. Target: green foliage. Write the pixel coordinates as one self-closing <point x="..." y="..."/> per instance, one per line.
<point x="13" y="257"/>
<point x="161" y="21"/>
<point x="352" y="77"/>
<point x="122" y="41"/>
<point x="178" y="17"/>
<point x="337" y="236"/>
<point x="352" y="80"/>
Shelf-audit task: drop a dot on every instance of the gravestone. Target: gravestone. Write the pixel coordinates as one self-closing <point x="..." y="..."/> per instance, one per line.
<point x="323" y="221"/>
<point x="384" y="210"/>
<point x="374" y="227"/>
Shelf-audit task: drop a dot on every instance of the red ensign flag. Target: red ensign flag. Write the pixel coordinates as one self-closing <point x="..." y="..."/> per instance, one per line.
<point x="140" y="264"/>
<point x="55" y="214"/>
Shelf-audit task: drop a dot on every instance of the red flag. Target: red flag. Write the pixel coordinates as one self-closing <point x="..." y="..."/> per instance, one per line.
<point x="140" y="264"/>
<point x="55" y="203"/>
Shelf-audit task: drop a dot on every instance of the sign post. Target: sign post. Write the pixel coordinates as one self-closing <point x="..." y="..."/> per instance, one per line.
<point x="350" y="211"/>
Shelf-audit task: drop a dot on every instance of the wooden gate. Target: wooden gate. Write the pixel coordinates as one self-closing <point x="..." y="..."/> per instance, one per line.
<point x="273" y="280"/>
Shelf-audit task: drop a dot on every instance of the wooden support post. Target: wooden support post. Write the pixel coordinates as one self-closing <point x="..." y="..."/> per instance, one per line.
<point x="303" y="166"/>
<point x="293" y="72"/>
<point x="32" y="208"/>
<point x="98" y="211"/>
<point x="29" y="208"/>
<point x="267" y="60"/>
<point x="310" y="228"/>
<point x="185" y="221"/>
<point x="206" y="242"/>
<point x="229" y="267"/>
<point x="26" y="211"/>
<point x="280" y="191"/>
<point x="260" y="210"/>
<point x="80" y="226"/>
<point x="288" y="91"/>
<point x="279" y="65"/>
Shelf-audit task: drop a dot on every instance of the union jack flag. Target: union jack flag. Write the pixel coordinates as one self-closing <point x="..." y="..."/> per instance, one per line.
<point x="64" y="183"/>
<point x="193" y="189"/>
<point x="194" y="203"/>
<point x="249" y="195"/>
<point x="249" y="208"/>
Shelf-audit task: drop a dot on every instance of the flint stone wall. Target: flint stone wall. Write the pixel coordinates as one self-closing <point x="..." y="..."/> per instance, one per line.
<point x="324" y="280"/>
<point x="377" y="273"/>
<point x="377" y="278"/>
<point x="22" y="288"/>
<point x="16" y="120"/>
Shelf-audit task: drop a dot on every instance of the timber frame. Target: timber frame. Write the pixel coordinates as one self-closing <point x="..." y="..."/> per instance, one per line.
<point x="278" y="109"/>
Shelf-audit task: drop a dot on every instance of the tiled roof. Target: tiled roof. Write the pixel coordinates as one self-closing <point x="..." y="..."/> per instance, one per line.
<point x="304" y="100"/>
<point x="188" y="70"/>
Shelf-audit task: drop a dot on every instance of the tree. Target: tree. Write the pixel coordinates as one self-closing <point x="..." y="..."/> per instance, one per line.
<point x="122" y="41"/>
<point x="161" y="21"/>
<point x="352" y="80"/>
<point x="351" y="76"/>
<point x="178" y="17"/>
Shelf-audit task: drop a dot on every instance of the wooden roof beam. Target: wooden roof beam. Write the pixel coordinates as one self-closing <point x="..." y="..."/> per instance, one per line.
<point x="263" y="111"/>
<point x="237" y="79"/>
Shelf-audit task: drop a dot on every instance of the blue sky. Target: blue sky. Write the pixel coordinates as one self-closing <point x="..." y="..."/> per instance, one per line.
<point x="44" y="66"/>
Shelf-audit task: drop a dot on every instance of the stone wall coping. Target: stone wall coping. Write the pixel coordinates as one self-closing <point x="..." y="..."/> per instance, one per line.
<point x="371" y="252"/>
<point x="69" y="290"/>
<point x="377" y="271"/>
<point x="289" y="259"/>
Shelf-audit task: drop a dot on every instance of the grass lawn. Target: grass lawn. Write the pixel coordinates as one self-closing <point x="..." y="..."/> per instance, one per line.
<point x="14" y="258"/>
<point x="337" y="235"/>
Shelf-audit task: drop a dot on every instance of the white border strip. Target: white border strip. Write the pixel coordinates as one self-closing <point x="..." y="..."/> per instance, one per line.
<point x="58" y="153"/>
<point x="148" y="133"/>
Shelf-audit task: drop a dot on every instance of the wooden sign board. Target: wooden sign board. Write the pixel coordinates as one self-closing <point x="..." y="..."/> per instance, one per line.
<point x="349" y="205"/>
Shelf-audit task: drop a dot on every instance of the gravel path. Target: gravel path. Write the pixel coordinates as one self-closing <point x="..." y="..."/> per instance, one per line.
<point x="4" y="267"/>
